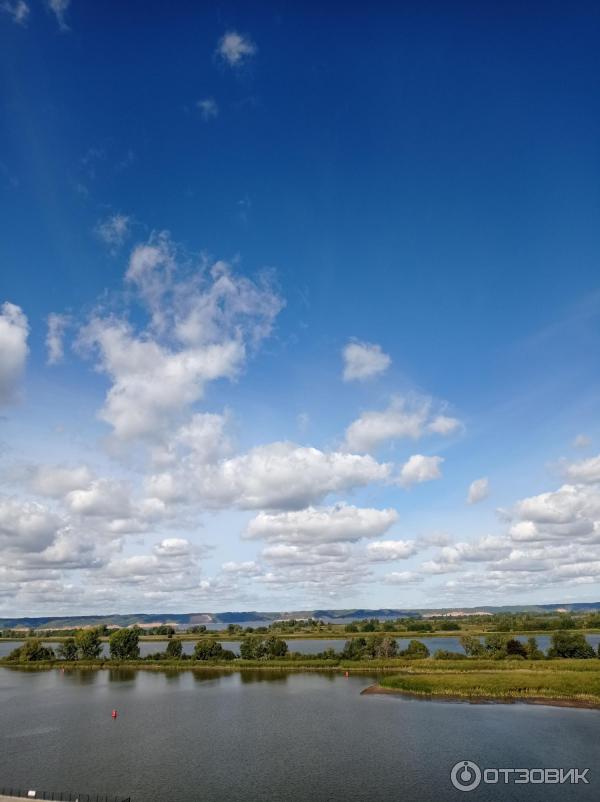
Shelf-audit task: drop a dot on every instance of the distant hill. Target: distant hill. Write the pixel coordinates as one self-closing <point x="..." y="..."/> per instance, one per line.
<point x="191" y="619"/>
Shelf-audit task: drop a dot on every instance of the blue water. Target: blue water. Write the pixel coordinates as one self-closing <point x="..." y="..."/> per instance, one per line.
<point x="194" y="737"/>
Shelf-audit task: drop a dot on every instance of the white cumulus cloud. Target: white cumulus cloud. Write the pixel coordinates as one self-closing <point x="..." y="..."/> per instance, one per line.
<point x="285" y="476"/>
<point x="478" y="490"/>
<point x="204" y="320"/>
<point x="420" y="469"/>
<point x="585" y="471"/>
<point x="364" y="361"/>
<point x="341" y="522"/>
<point x="14" y="330"/>
<point x="405" y="417"/>
<point x="403" y="578"/>
<point x="387" y="550"/>
<point x="56" y="481"/>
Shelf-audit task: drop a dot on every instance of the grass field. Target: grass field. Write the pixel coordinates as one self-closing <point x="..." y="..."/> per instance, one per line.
<point x="574" y="682"/>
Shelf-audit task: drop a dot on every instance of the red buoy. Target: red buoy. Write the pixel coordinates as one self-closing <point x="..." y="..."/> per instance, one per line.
<point x="114" y="714"/>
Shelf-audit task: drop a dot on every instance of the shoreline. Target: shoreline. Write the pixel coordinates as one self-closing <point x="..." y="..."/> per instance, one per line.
<point x="192" y="665"/>
<point x="481" y="700"/>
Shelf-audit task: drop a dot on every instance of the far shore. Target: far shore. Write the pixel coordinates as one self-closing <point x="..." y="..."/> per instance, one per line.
<point x="332" y="635"/>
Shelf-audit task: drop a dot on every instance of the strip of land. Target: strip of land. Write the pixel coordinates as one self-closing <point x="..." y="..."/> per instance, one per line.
<point x="564" y="683"/>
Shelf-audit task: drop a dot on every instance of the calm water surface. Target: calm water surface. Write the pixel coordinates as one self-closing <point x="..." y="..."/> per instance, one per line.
<point x="187" y="737"/>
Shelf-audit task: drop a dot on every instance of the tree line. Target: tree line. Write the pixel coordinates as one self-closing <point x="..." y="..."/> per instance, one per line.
<point x="123" y="644"/>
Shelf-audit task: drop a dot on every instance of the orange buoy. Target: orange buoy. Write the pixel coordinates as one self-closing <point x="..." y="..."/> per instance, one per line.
<point x="114" y="714"/>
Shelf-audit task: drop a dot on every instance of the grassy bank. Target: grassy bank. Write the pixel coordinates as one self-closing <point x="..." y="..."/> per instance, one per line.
<point x="352" y="666"/>
<point x="463" y="673"/>
<point x="566" y="682"/>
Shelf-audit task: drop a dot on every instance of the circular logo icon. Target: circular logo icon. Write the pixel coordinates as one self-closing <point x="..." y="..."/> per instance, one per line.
<point x="465" y="775"/>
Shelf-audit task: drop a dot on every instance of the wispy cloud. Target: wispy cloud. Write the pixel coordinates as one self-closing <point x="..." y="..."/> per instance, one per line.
<point x="59" y="8"/>
<point x="113" y="230"/>
<point x="19" y="11"/>
<point x="208" y="108"/>
<point x="57" y="325"/>
<point x="235" y="49"/>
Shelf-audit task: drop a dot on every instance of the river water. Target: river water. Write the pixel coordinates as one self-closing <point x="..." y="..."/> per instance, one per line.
<point x="193" y="737"/>
<point x="314" y="645"/>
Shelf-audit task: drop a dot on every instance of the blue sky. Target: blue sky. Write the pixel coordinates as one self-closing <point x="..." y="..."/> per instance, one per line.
<point x="308" y="277"/>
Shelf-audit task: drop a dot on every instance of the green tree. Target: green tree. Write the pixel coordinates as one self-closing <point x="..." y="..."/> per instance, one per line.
<point x="419" y="626"/>
<point x="67" y="650"/>
<point x="354" y="649"/>
<point x="88" y="643"/>
<point x="473" y="646"/>
<point x="444" y="654"/>
<point x="33" y="650"/>
<point x="174" y="649"/>
<point x="124" y="644"/>
<point x="415" y="649"/>
<point x="380" y="646"/>
<point x="208" y="649"/>
<point x="533" y="650"/>
<point x="276" y="647"/>
<point x="386" y="648"/>
<point x="566" y="622"/>
<point x="253" y="648"/>
<point x="495" y="644"/>
<point x="197" y="630"/>
<point x="514" y="648"/>
<point x="570" y="644"/>
<point x="164" y="629"/>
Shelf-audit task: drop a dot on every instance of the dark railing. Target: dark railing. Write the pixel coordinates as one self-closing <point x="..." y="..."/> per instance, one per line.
<point x="62" y="796"/>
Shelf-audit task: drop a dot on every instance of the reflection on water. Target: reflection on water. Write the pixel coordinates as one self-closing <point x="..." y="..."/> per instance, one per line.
<point x="172" y="675"/>
<point x="272" y="735"/>
<point x="260" y="675"/>
<point x="122" y="674"/>
<point x="80" y="676"/>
